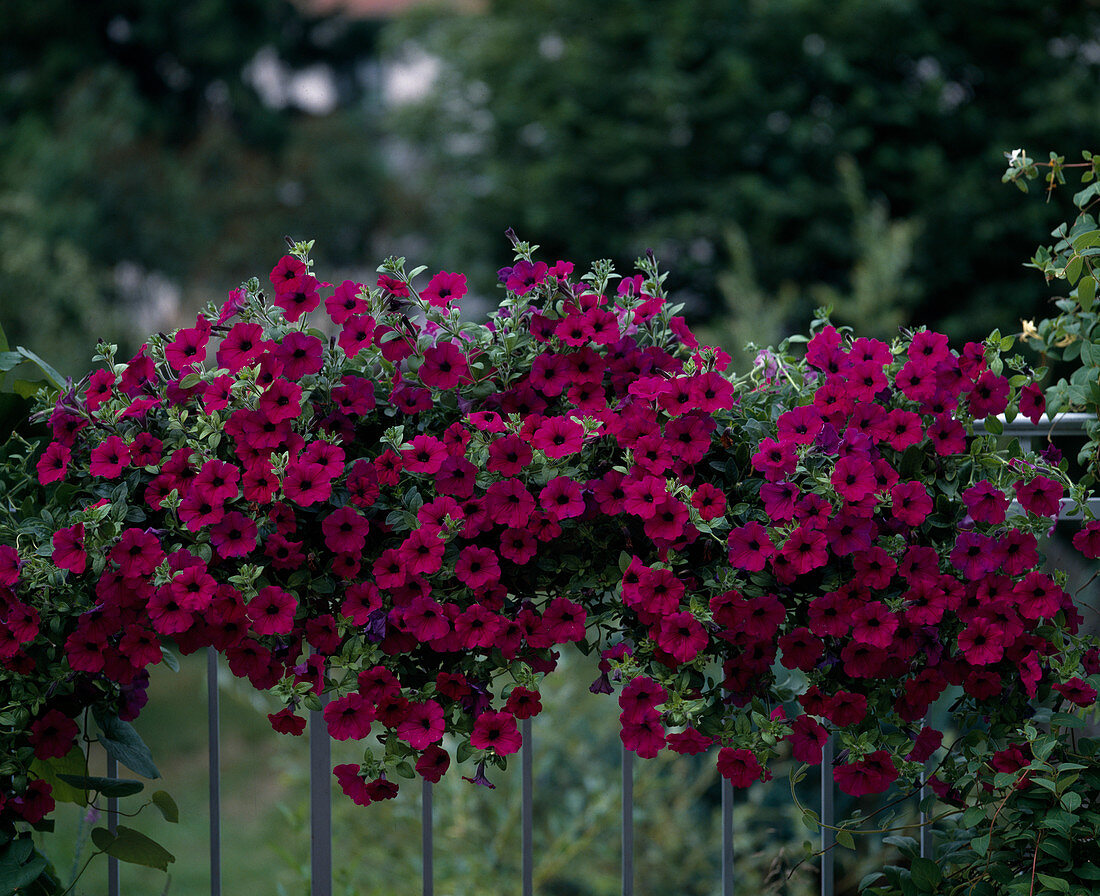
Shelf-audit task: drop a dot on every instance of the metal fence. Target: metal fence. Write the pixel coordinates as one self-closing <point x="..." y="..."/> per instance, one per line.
<point x="320" y="775"/>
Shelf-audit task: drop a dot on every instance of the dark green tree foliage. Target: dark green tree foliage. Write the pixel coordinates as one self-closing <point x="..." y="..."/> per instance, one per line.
<point x="135" y="150"/>
<point x="603" y="129"/>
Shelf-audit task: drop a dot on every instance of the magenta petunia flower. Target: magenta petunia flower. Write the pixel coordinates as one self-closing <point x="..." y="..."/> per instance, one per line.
<point x="188" y="348"/>
<point x="433" y="764"/>
<point x="1041" y="496"/>
<point x="558" y="437"/>
<point x="874" y="773"/>
<point x="346" y="301"/>
<point x="739" y="766"/>
<point x="424" y="455"/>
<point x="52" y="735"/>
<point x="443" y="288"/>
<point x="681" y="636"/>
<point x="300" y="355"/>
<point x="54" y="463"/>
<point x="68" y="549"/>
<point x="101" y="385"/>
<point x="989" y="395"/>
<point x="750" y="547"/>
<point x="643" y="734"/>
<point x="349" y="717"/>
<point x="109" y="458"/>
<point x="272" y="611"/>
<point x="1032" y="403"/>
<point x="807" y="737"/>
<point x="561" y="498"/>
<point x="805" y="550"/>
<point x="356" y="334"/>
<point x="306" y="483"/>
<point x="496" y="731"/>
<point x="423" y="725"/>
<point x="477" y="568"/>
<point x="444" y="366"/>
<point x="425" y="619"/>
<point x="422" y="551"/>
<point x="509" y="504"/>
<point x="298" y="296"/>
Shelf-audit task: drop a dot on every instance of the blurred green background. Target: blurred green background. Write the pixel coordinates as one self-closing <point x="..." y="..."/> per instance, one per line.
<point x="777" y="155"/>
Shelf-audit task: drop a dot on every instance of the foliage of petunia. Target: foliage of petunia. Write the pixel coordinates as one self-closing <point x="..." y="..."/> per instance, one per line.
<point x="374" y="508"/>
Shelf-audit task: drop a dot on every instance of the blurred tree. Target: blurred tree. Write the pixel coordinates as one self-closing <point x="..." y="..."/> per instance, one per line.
<point x="605" y="131"/>
<point x="153" y="153"/>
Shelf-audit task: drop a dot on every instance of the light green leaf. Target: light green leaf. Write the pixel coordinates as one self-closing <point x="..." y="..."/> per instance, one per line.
<point x="1086" y="240"/>
<point x="128" y="845"/>
<point x="54" y="771"/>
<point x="167" y="806"/>
<point x="1086" y="292"/>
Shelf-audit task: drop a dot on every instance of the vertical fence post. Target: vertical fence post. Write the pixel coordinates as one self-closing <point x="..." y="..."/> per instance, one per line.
<point x="926" y="845"/>
<point x="112" y="826"/>
<point x="214" y="757"/>
<point x="628" y="822"/>
<point x="727" y="837"/>
<point x="828" y="819"/>
<point x="426" y="845"/>
<point x="320" y="805"/>
<point x="527" y="811"/>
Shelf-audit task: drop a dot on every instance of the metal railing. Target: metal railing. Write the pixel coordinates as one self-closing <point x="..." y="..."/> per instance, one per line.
<point x="320" y="775"/>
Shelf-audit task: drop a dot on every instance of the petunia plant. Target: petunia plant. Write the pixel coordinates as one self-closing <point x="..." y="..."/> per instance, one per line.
<point x="372" y="507"/>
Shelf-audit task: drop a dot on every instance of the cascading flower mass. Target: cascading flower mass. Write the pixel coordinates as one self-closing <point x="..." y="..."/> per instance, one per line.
<point x="372" y="499"/>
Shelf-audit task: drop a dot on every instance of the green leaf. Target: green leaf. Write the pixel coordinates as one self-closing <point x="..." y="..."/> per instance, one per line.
<point x="926" y="874"/>
<point x="55" y="378"/>
<point x="20" y="865"/>
<point x="109" y="787"/>
<point x="128" y="845"/>
<point x="980" y="845"/>
<point x="1073" y="269"/>
<point x="993" y="425"/>
<point x="124" y="744"/>
<point x="50" y="770"/>
<point x="170" y="659"/>
<point x="1055" y="883"/>
<point x="3" y="340"/>
<point x="845" y="839"/>
<point x="10" y="360"/>
<point x="1071" y="801"/>
<point x="1086" y="292"/>
<point x="1086" y="240"/>
<point x="167" y="806"/>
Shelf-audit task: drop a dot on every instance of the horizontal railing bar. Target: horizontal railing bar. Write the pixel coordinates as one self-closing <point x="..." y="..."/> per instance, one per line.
<point x="1068" y="424"/>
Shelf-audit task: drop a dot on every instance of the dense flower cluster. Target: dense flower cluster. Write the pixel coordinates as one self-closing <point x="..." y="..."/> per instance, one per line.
<point x="405" y="515"/>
